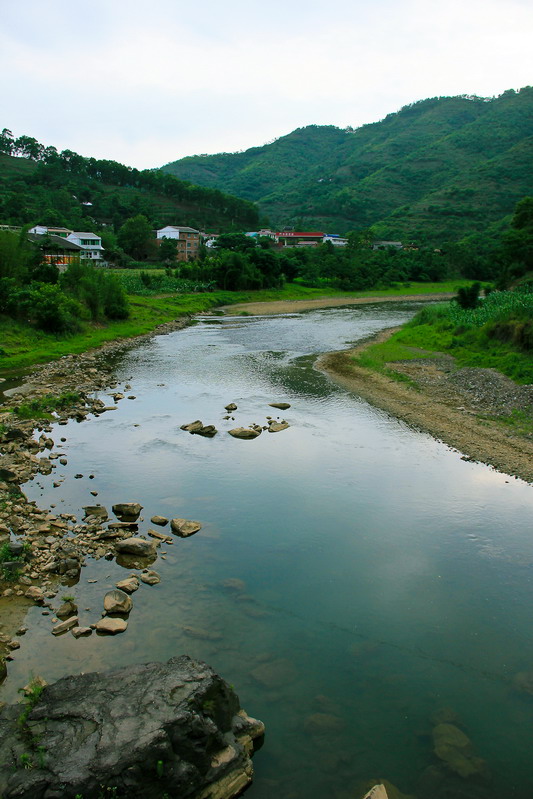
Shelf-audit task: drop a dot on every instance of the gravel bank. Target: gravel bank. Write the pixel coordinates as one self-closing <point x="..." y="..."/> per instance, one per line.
<point x="454" y="405"/>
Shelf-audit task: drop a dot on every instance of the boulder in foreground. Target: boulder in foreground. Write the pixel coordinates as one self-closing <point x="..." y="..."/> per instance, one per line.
<point x="140" y="731"/>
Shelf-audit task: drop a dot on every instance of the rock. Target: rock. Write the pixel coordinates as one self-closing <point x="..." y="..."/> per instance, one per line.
<point x="129" y="585"/>
<point x="150" y="577"/>
<point x="7" y="475"/>
<point x="234" y="584"/>
<point x="109" y="626"/>
<point x="455" y="748"/>
<point x="203" y="635"/>
<point x="81" y="632"/>
<point x="96" y="510"/>
<point x="523" y="681"/>
<point x="275" y="674"/>
<point x="323" y="724"/>
<point x="160" y="520"/>
<point x="67" y="610"/>
<point x="35" y="593"/>
<point x="136" y="546"/>
<point x="275" y="427"/>
<point x="191" y="427"/>
<point x="231" y="407"/>
<point x="184" y="527"/>
<point x="180" y="714"/>
<point x="244" y="432"/>
<point x="64" y="626"/>
<point x="117" y="601"/>
<point x="158" y="535"/>
<point x="283" y="406"/>
<point x="208" y="431"/>
<point x="127" y="511"/>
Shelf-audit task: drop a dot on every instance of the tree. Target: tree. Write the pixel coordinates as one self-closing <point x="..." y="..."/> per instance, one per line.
<point x="168" y="250"/>
<point x="136" y="238"/>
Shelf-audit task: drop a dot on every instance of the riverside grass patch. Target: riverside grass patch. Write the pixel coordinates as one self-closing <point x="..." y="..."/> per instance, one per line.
<point x="496" y="334"/>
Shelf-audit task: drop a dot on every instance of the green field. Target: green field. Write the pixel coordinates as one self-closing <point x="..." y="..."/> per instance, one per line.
<point x="22" y="345"/>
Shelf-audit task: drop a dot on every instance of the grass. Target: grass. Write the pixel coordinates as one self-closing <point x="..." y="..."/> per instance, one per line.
<point x="23" y="345"/>
<point x="464" y="334"/>
<point x="42" y="407"/>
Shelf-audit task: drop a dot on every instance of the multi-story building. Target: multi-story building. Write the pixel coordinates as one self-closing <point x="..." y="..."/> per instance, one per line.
<point x="90" y="243"/>
<point x="187" y="239"/>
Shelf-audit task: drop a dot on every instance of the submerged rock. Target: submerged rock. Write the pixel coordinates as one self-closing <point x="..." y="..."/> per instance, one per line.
<point x="454" y="747"/>
<point x="175" y="725"/>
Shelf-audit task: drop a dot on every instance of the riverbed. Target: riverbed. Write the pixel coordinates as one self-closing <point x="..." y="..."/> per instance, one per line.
<point x="352" y="578"/>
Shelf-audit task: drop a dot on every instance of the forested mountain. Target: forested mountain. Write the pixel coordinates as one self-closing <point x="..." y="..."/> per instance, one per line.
<point x="439" y="169"/>
<point x="40" y="185"/>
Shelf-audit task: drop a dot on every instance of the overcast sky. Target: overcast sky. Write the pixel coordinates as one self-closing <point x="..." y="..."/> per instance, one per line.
<point x="145" y="83"/>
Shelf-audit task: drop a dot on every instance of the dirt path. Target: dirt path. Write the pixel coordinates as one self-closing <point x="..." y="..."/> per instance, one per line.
<point x="295" y="306"/>
<point x="451" y="404"/>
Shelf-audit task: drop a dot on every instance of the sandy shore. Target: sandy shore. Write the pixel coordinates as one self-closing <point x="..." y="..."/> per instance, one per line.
<point x="449" y="411"/>
<point x="295" y="306"/>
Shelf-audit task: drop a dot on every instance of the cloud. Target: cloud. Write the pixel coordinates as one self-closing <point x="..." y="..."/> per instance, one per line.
<point x="147" y="83"/>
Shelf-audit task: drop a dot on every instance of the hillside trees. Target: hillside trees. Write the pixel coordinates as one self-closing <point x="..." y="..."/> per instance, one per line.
<point x="136" y="238"/>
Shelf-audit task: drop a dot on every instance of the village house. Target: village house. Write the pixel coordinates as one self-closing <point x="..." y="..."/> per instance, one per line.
<point x="57" y="250"/>
<point x="88" y="245"/>
<point x="187" y="240"/>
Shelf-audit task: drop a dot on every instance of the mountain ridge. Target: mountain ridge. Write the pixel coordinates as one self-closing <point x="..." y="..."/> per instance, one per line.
<point x="421" y="172"/>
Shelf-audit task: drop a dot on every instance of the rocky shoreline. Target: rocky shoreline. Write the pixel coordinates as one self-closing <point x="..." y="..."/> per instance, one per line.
<point x="456" y="406"/>
<point x="43" y="551"/>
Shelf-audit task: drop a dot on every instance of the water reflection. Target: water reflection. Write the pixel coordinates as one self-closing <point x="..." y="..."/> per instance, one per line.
<point x="352" y="575"/>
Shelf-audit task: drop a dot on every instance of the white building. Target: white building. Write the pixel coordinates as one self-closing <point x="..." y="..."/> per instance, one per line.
<point x="89" y="242"/>
<point x="337" y="241"/>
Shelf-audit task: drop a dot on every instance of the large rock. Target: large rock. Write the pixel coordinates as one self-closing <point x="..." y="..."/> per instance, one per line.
<point x="96" y="510"/>
<point x="283" y="406"/>
<point x="142" y="731"/>
<point x="136" y="546"/>
<point x="184" y="527"/>
<point x="127" y="511"/>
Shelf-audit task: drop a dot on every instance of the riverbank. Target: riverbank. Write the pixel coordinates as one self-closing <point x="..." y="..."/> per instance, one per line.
<point x="296" y="306"/>
<point x="22" y="345"/>
<point x="465" y="408"/>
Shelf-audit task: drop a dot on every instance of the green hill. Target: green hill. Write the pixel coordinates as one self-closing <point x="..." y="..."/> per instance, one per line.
<point x="66" y="189"/>
<point x="438" y="169"/>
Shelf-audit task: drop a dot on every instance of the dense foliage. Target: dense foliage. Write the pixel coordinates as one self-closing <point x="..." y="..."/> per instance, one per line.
<point x="435" y="171"/>
<point x="240" y="262"/>
<point x="40" y="184"/>
<point x="33" y="291"/>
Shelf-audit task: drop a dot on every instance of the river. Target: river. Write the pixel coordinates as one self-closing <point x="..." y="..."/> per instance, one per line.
<point x="352" y="578"/>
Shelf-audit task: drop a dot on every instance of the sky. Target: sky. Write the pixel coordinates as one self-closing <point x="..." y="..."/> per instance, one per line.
<point x="145" y="83"/>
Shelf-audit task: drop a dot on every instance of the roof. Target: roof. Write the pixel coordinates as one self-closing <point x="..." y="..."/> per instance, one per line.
<point x="54" y="241"/>
<point x="294" y="233"/>
<point x="84" y="235"/>
<point x="178" y="227"/>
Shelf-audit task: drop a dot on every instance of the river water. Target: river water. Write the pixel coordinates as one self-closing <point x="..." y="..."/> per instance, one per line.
<point x="353" y="576"/>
